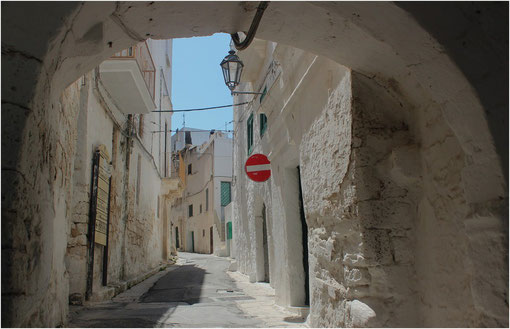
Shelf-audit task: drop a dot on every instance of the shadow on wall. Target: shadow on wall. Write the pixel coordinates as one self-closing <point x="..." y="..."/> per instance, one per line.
<point x="385" y="206"/>
<point x="489" y="76"/>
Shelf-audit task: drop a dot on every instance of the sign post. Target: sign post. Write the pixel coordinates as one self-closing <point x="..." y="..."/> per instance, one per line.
<point x="258" y="168"/>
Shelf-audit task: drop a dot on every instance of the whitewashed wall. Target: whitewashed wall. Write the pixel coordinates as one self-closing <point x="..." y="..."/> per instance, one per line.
<point x="136" y="227"/>
<point x="383" y="196"/>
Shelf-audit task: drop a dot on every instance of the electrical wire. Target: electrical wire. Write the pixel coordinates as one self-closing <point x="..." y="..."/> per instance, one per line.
<point x="202" y="109"/>
<point x="200" y="131"/>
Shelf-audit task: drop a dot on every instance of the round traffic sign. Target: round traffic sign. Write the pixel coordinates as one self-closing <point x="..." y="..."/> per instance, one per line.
<point x="258" y="168"/>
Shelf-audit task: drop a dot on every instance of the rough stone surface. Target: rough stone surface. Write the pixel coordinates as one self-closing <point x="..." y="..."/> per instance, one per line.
<point x="369" y="173"/>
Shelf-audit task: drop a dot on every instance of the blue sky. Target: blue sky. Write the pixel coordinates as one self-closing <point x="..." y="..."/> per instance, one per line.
<point x="197" y="81"/>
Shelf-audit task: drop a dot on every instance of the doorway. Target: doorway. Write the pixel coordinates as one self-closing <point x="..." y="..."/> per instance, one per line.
<point x="304" y="238"/>
<point x="265" y="244"/>
<point x="177" y="238"/>
<point x="192" y="241"/>
<point x="211" y="238"/>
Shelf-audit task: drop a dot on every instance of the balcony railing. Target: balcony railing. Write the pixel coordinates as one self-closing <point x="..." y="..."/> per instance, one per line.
<point x="143" y="57"/>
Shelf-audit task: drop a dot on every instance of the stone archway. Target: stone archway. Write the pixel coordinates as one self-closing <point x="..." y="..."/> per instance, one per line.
<point x="396" y="46"/>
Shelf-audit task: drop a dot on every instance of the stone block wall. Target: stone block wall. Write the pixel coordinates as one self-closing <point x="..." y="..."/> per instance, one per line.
<point x="402" y="227"/>
<point x="361" y="216"/>
<point x="34" y="209"/>
<point x="394" y="240"/>
<point x="135" y="239"/>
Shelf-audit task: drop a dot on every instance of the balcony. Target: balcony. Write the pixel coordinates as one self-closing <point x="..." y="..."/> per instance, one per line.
<point x="129" y="77"/>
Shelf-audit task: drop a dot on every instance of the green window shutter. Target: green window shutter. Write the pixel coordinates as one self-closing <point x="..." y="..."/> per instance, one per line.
<point x="206" y="199"/>
<point x="229" y="231"/>
<point x="249" y="133"/>
<point x="263" y="124"/>
<point x="225" y="193"/>
<point x="263" y="95"/>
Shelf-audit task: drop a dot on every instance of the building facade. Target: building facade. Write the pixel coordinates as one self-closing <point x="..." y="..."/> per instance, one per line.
<point x="118" y="220"/>
<point x="360" y="219"/>
<point x="189" y="136"/>
<point x="198" y="216"/>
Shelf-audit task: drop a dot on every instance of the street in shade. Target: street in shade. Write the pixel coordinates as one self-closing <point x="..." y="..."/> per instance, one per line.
<point x="196" y="292"/>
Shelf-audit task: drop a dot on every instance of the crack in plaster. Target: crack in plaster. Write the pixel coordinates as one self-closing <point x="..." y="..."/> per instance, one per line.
<point x="69" y="28"/>
<point x="18" y="105"/>
<point x="19" y="172"/>
<point x="391" y="89"/>
<point x="8" y="50"/>
<point x="116" y="18"/>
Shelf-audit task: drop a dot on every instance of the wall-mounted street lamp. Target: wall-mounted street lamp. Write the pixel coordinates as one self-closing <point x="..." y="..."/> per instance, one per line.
<point x="232" y="68"/>
<point x="231" y="65"/>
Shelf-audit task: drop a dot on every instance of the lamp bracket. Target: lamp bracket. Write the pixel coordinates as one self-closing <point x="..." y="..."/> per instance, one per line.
<point x="246" y="93"/>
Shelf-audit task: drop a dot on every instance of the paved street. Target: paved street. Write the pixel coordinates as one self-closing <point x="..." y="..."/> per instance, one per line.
<point x="197" y="292"/>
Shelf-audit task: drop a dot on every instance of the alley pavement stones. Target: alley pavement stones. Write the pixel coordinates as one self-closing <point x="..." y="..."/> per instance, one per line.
<point x="195" y="292"/>
<point x="263" y="305"/>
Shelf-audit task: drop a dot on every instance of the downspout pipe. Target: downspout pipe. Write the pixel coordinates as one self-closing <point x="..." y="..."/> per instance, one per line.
<point x="253" y="28"/>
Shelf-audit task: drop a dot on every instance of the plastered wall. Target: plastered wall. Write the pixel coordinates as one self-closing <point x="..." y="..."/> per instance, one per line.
<point x="135" y="237"/>
<point x="393" y="237"/>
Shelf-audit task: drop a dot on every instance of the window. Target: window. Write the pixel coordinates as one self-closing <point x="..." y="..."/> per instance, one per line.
<point x="200" y="208"/>
<point x="190" y="210"/>
<point x="157" y="208"/>
<point x="189" y="169"/>
<point x="187" y="137"/>
<point x="203" y="232"/>
<point x="206" y="199"/>
<point x="263" y="124"/>
<point x="225" y="193"/>
<point x="249" y="133"/>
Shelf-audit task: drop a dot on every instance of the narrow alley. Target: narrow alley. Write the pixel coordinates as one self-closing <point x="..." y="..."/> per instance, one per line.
<point x="197" y="291"/>
<point x="255" y="164"/>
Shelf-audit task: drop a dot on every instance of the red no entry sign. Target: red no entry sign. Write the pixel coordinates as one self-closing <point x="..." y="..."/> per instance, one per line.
<point x="258" y="168"/>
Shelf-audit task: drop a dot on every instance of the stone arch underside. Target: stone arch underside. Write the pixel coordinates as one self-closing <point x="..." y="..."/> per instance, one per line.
<point x="46" y="46"/>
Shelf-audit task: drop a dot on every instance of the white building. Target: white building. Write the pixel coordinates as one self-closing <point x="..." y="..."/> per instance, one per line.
<point x="122" y="232"/>
<point x="198" y="216"/>
<point x="352" y="221"/>
<point x="189" y="136"/>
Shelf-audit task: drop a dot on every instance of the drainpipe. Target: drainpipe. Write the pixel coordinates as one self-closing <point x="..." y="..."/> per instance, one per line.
<point x="129" y="145"/>
<point x="166" y="127"/>
<point x="160" y="88"/>
<point x="253" y="28"/>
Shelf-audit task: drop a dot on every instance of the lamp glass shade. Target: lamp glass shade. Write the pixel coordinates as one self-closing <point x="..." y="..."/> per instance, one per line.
<point x="232" y="68"/>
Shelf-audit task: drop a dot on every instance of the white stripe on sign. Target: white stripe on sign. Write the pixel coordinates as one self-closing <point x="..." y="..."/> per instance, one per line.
<point x="258" y="167"/>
